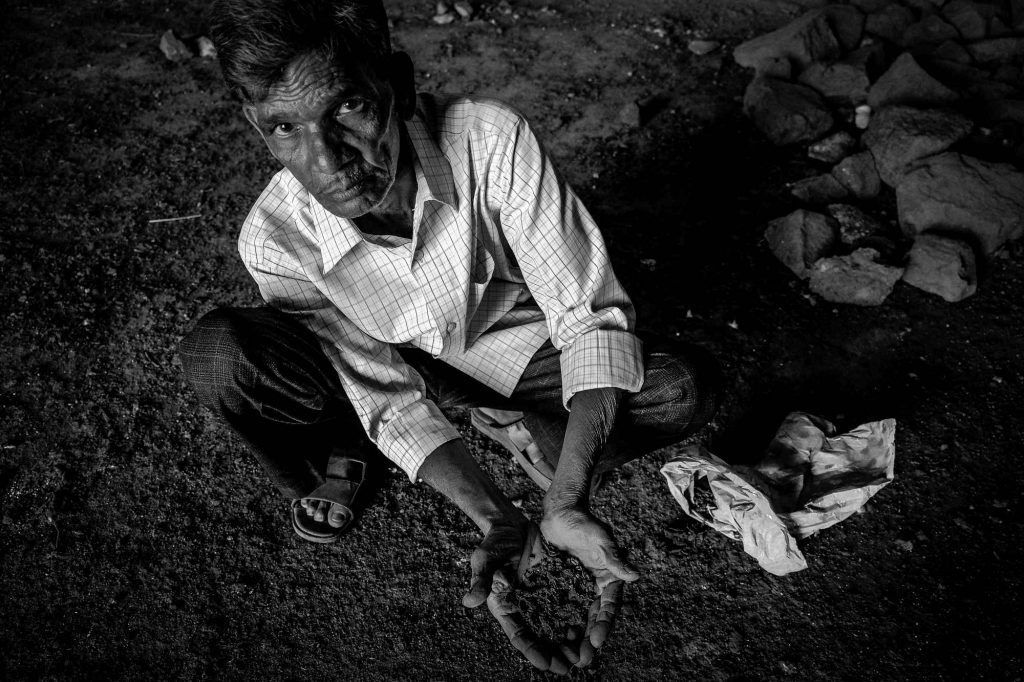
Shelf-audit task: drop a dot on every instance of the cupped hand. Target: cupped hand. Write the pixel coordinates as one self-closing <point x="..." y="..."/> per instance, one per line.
<point x="512" y="547"/>
<point x="591" y="542"/>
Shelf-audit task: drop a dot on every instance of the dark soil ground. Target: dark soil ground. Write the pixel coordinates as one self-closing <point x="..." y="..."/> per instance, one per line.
<point x="140" y="541"/>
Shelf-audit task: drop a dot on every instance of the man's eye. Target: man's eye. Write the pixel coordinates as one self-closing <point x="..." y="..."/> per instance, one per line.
<point x="351" y="106"/>
<point x="283" y="130"/>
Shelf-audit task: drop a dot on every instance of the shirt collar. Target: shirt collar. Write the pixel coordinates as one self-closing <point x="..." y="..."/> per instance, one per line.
<point x="434" y="182"/>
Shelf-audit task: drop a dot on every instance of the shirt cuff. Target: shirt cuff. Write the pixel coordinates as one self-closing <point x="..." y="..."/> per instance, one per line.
<point x="602" y="358"/>
<point x="418" y="430"/>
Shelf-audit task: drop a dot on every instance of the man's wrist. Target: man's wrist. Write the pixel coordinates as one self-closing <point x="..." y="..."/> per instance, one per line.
<point x="564" y="498"/>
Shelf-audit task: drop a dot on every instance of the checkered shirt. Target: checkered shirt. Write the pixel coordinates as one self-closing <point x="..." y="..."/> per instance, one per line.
<point x="503" y="256"/>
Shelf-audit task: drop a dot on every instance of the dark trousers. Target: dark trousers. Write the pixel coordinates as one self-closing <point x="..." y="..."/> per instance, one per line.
<point x="266" y="376"/>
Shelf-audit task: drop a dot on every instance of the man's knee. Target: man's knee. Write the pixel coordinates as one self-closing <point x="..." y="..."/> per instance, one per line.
<point x="211" y="354"/>
<point x="683" y="390"/>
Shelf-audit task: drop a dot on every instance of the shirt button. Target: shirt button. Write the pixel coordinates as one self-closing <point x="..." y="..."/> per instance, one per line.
<point x="451" y="327"/>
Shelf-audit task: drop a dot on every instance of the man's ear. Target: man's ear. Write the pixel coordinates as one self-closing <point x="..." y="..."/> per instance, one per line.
<point x="403" y="82"/>
<point x="250" y="115"/>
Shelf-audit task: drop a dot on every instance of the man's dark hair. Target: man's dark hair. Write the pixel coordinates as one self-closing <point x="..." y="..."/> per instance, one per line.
<point x="257" y="39"/>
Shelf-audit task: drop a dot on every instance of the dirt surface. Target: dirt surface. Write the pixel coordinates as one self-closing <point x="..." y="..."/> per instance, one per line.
<point x="140" y="541"/>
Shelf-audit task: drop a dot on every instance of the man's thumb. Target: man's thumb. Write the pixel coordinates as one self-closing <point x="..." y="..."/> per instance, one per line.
<point x="621" y="567"/>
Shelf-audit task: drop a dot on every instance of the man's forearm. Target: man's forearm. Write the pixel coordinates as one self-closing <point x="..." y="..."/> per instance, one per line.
<point x="592" y="415"/>
<point x="453" y="472"/>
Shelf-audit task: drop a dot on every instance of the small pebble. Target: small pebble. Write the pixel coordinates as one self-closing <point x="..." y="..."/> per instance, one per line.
<point x="206" y="48"/>
<point x="703" y="47"/>
<point x="862" y="116"/>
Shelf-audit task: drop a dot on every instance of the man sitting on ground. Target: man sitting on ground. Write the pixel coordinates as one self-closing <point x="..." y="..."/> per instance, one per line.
<point x="419" y="253"/>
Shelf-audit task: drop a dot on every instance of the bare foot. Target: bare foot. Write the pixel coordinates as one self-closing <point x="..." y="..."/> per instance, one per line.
<point x="320" y="510"/>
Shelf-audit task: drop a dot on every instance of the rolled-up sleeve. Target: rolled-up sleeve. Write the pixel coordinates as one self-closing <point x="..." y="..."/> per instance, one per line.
<point x="565" y="264"/>
<point x="388" y="395"/>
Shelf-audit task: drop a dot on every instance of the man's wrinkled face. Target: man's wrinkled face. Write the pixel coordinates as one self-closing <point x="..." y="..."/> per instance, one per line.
<point x="335" y="128"/>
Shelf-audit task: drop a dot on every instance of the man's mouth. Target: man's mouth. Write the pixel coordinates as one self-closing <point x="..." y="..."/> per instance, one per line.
<point x="345" y="192"/>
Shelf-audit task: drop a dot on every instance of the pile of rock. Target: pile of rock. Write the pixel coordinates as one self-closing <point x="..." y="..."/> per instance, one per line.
<point x="920" y="99"/>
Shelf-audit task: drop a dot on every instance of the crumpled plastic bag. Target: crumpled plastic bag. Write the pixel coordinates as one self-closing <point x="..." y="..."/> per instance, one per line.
<point x="809" y="479"/>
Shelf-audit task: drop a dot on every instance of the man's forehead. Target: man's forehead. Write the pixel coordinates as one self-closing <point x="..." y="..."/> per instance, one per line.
<point x="310" y="78"/>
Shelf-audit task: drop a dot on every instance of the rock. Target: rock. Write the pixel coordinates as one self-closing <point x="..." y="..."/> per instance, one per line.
<point x="786" y="112"/>
<point x="997" y="28"/>
<point x="856" y="278"/>
<point x="206" y="48"/>
<point x="890" y="22"/>
<point x="800" y="239"/>
<point x="869" y="6"/>
<point x="1017" y="14"/>
<point x="907" y="83"/>
<point x="629" y="114"/>
<point x="925" y="7"/>
<point x="1004" y="110"/>
<point x="778" y="67"/>
<point x="464" y="9"/>
<point x="954" y="191"/>
<point x="854" y="224"/>
<point x="996" y="49"/>
<point x="173" y="48"/>
<point x="951" y="51"/>
<point x="931" y="29"/>
<point x="967" y="18"/>
<point x="870" y="58"/>
<point x="446" y="18"/>
<point x="988" y="90"/>
<point x="900" y="136"/>
<point x="819" y="189"/>
<point x="1008" y="73"/>
<point x="942" y="265"/>
<point x="839" y="83"/>
<point x="832" y="148"/>
<point x="703" y="47"/>
<point x="803" y="41"/>
<point x="858" y="175"/>
<point x="847" y="24"/>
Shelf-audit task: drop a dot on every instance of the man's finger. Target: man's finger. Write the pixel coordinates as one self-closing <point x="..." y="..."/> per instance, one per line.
<point x="587" y="648"/>
<point x="570" y="646"/>
<point x="607" y="609"/>
<point x="480" y="581"/>
<point x="518" y="631"/>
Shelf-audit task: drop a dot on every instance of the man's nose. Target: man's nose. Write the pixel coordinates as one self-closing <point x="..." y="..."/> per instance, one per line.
<point x="328" y="154"/>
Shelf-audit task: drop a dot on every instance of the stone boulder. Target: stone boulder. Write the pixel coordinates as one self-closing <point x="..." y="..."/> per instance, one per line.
<point x="997" y="49"/>
<point x="786" y="112"/>
<point x="854" y="224"/>
<point x="820" y="189"/>
<point x="907" y="83"/>
<point x="970" y="19"/>
<point x="931" y="29"/>
<point x="858" y="175"/>
<point x="950" y="51"/>
<point x="857" y="278"/>
<point x="953" y="192"/>
<point x="899" y="136"/>
<point x="942" y="265"/>
<point x="847" y="24"/>
<point x="841" y="84"/>
<point x="890" y="22"/>
<point x="833" y="148"/>
<point x="803" y="41"/>
<point x="800" y="239"/>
